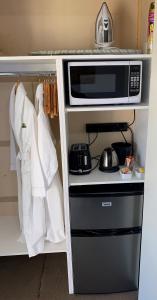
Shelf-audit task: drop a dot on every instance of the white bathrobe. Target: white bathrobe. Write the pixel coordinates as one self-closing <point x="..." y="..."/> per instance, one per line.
<point x="14" y="162"/>
<point x="31" y="184"/>
<point x="54" y="198"/>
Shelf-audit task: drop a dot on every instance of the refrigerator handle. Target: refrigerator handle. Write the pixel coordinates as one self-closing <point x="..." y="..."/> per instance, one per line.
<point x="105" y="232"/>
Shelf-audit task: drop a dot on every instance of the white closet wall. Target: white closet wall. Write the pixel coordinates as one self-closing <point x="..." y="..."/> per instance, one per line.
<point x="8" y="181"/>
<point x="59" y="24"/>
<point x="77" y="128"/>
<point x="148" y="274"/>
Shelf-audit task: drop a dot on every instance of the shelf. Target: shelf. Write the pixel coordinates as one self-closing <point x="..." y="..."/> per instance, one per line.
<point x="51" y="58"/>
<point x="98" y="177"/>
<point x="140" y="106"/>
<point x="9" y="234"/>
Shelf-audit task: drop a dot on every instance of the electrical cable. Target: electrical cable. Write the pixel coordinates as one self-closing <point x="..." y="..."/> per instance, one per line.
<point x="133" y="119"/>
<point x="96" y="163"/>
<point x="96" y="157"/>
<point x="131" y="131"/>
<point x="88" y="139"/>
<point x="91" y="143"/>
<point x="132" y="139"/>
<point x="124" y="137"/>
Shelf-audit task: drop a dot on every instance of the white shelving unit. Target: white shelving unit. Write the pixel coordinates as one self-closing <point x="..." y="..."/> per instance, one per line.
<point x="98" y="177"/>
<point x="139" y="128"/>
<point x="9" y="225"/>
<point x="140" y="106"/>
<point x="72" y="122"/>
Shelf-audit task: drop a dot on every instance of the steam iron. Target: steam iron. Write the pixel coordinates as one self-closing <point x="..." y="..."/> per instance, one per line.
<point x="104" y="28"/>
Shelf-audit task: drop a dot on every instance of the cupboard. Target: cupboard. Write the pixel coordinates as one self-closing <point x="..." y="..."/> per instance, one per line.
<point x="71" y="125"/>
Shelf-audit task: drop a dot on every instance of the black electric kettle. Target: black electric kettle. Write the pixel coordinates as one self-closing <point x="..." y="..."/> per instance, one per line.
<point x="109" y="161"/>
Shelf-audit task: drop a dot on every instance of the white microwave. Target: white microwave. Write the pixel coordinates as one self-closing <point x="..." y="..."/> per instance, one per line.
<point x="104" y="82"/>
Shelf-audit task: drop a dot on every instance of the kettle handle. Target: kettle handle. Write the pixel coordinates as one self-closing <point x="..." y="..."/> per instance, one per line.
<point x="109" y="154"/>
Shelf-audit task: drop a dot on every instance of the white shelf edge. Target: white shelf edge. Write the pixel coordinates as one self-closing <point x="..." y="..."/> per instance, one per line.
<point x="107" y="108"/>
<point x="97" y="177"/>
<point x="43" y="58"/>
<point x="9" y="234"/>
<point x="106" y="182"/>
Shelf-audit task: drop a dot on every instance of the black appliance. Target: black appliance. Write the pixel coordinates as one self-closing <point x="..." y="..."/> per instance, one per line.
<point x="123" y="150"/>
<point x="80" y="159"/>
<point x="109" y="161"/>
<point x="106" y="226"/>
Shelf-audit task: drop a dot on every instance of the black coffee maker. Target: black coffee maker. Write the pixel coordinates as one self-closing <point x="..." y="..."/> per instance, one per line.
<point x="123" y="150"/>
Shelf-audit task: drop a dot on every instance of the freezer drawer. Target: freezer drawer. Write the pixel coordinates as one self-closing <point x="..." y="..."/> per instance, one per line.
<point x="106" y="264"/>
<point x="106" y="209"/>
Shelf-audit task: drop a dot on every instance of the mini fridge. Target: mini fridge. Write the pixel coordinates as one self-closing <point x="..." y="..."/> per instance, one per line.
<point x="106" y="227"/>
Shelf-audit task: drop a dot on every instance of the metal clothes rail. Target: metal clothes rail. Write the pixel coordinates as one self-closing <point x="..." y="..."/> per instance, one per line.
<point x="26" y="76"/>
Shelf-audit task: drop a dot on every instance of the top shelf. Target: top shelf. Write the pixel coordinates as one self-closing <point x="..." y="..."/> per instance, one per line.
<point x="140" y="106"/>
<point x="53" y="58"/>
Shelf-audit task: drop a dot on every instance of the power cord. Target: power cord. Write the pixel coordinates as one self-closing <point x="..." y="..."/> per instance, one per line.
<point x="98" y="159"/>
<point x="133" y="119"/>
<point x="132" y="139"/>
<point x="122" y="133"/>
<point x="131" y="131"/>
<point x="91" y="143"/>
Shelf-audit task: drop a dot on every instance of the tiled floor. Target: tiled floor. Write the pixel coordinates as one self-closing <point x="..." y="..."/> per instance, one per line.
<point x="41" y="278"/>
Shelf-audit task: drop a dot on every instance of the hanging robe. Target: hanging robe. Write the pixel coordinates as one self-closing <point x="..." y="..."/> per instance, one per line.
<point x="14" y="162"/>
<point x="13" y="150"/>
<point x="54" y="197"/>
<point x="31" y="184"/>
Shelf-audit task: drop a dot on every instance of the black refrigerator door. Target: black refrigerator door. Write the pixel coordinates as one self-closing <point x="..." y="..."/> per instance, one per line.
<point x="106" y="207"/>
<point x="106" y="264"/>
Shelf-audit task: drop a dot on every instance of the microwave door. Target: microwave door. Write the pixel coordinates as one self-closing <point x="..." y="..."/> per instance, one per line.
<point x="98" y="84"/>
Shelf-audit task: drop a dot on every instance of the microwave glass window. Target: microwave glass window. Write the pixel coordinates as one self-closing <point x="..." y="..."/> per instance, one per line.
<point x="92" y="82"/>
<point x="101" y="83"/>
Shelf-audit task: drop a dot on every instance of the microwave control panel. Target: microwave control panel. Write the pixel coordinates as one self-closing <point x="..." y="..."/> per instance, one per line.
<point x="135" y="80"/>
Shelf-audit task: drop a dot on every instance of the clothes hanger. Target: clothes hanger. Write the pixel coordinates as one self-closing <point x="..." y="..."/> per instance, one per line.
<point x="17" y="84"/>
<point x="55" y="99"/>
<point x="51" y="97"/>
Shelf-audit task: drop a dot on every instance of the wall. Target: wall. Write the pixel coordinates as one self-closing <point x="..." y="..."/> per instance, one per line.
<point x="78" y="133"/>
<point x="148" y="274"/>
<point x="8" y="180"/>
<point x="58" y="24"/>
